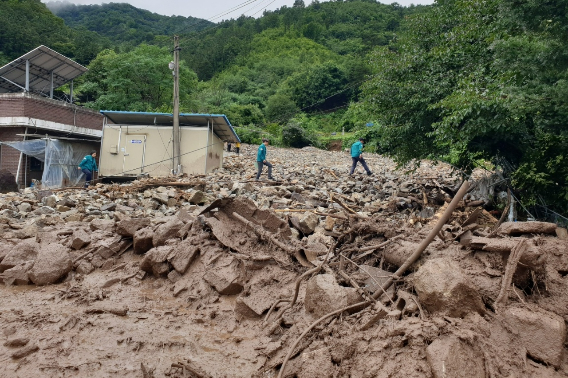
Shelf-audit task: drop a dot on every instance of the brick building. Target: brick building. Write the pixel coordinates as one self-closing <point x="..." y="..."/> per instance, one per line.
<point x="26" y="116"/>
<point x="28" y="111"/>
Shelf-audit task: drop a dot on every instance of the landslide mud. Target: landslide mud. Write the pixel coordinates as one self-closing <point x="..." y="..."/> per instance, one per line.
<point x="211" y="297"/>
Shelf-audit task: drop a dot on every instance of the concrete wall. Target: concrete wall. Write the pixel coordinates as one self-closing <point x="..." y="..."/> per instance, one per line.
<point x="156" y="155"/>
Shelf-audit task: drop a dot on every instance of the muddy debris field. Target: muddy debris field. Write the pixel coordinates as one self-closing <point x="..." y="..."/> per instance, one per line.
<point x="315" y="274"/>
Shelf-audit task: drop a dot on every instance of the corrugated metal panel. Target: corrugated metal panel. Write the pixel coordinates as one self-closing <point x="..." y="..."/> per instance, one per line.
<point x="43" y="61"/>
<point x="222" y="127"/>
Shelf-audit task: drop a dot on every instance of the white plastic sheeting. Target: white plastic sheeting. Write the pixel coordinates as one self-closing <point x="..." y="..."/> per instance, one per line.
<point x="60" y="159"/>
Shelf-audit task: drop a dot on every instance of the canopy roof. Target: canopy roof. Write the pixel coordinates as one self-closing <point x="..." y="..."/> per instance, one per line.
<point x="43" y="61"/>
<point x="221" y="125"/>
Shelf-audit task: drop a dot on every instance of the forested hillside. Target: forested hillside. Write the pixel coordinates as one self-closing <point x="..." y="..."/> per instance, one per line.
<point x="26" y="24"/>
<point x="124" y="23"/>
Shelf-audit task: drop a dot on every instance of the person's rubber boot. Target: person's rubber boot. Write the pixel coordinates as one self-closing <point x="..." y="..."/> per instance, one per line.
<point x="369" y="173"/>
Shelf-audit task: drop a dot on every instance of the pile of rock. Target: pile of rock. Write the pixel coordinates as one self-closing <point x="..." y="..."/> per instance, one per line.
<point x="482" y="300"/>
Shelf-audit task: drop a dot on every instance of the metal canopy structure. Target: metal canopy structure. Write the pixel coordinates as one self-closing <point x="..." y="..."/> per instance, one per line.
<point x="41" y="71"/>
<point x="220" y="123"/>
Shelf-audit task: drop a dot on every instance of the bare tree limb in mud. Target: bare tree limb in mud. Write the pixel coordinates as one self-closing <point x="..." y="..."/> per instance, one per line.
<point x="411" y="260"/>
<point x="264" y="234"/>
<point x="349" y="210"/>
<point x="189" y="367"/>
<point x="299" y="281"/>
<point x="426" y="242"/>
<point x="507" y="279"/>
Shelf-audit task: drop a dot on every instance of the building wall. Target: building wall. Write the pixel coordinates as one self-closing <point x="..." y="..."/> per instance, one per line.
<point x="214" y="152"/>
<point x="158" y="150"/>
<point x="32" y="106"/>
<point x="28" y="105"/>
<point x="10" y="157"/>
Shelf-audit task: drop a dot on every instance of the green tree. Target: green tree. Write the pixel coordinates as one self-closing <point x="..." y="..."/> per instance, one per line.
<point x="139" y="80"/>
<point x="320" y="87"/>
<point x="480" y="79"/>
<point x="243" y="115"/>
<point x="280" y="108"/>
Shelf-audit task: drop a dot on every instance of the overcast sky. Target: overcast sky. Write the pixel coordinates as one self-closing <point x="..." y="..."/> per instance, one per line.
<point x="216" y="10"/>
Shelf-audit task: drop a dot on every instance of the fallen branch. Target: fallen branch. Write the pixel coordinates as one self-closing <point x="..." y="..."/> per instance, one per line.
<point x="330" y="215"/>
<point x="512" y="263"/>
<point x="337" y="201"/>
<point x="273" y="307"/>
<point x="371" y="277"/>
<point x="264" y="234"/>
<point x="414" y="257"/>
<point x="197" y="372"/>
<point x="365" y="294"/>
<point x="299" y="280"/>
<point x="370" y="249"/>
<point x="341" y="310"/>
<point x="503" y="215"/>
<point x="333" y="174"/>
<point x="82" y="256"/>
<point x="297" y="290"/>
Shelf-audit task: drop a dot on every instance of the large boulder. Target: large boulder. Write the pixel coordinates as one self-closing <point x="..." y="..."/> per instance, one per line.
<point x="228" y="277"/>
<point x="102" y="225"/>
<point x="156" y="261"/>
<point x="19" y="254"/>
<point x="128" y="227"/>
<point x="316" y="364"/>
<point x="542" y="333"/>
<point x="5" y="248"/>
<point x="52" y="263"/>
<point x="166" y="231"/>
<point x="143" y="240"/>
<point x="80" y="239"/>
<point x="450" y="357"/>
<point x="18" y="275"/>
<point x="443" y="287"/>
<point x="308" y="222"/>
<point x="197" y="197"/>
<point x="183" y="256"/>
<point x="324" y="295"/>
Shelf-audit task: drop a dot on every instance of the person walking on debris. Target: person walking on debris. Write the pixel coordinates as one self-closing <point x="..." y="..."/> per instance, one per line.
<point x="237" y="147"/>
<point x="89" y="165"/>
<point x="356" y="156"/>
<point x="228" y="146"/>
<point x="261" y="160"/>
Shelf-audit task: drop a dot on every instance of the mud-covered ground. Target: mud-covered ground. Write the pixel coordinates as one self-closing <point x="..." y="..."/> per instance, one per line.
<point x="197" y="277"/>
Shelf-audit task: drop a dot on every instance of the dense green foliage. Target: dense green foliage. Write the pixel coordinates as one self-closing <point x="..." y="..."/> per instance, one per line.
<point x="139" y="80"/>
<point x="121" y="22"/>
<point x="480" y="79"/>
<point x="26" y="24"/>
<point x="349" y="28"/>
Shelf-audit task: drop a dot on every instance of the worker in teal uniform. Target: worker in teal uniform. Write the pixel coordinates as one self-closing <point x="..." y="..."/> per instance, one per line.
<point x="261" y="160"/>
<point x="357" y="156"/>
<point x="89" y="165"/>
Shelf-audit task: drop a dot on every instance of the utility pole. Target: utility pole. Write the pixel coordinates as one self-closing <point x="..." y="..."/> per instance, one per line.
<point x="176" y="135"/>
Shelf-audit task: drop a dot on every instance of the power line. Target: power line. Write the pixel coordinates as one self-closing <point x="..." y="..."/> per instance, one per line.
<point x="211" y="19"/>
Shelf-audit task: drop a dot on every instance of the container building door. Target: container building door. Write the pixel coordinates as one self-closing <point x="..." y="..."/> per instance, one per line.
<point x="134" y="151"/>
